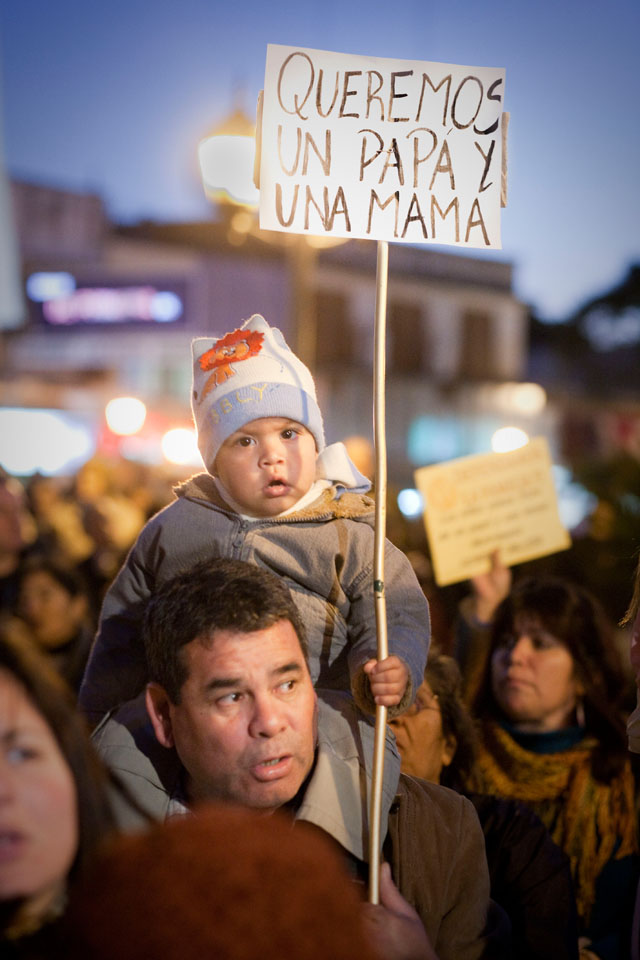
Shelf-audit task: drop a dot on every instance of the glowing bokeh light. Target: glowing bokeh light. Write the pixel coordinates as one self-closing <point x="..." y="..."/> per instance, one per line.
<point x="180" y="446"/>
<point x="508" y="438"/>
<point x="125" y="415"/>
<point x="50" y="442"/>
<point x="42" y="285"/>
<point x="575" y="502"/>
<point x="165" y="306"/>
<point x="410" y="503"/>
<point x="226" y="165"/>
<point x="527" y="399"/>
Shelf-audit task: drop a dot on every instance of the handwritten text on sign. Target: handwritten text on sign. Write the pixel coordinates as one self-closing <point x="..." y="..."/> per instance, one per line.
<point x="493" y="501"/>
<point x="382" y="149"/>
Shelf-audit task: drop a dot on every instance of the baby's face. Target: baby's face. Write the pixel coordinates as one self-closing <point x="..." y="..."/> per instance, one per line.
<point x="267" y="465"/>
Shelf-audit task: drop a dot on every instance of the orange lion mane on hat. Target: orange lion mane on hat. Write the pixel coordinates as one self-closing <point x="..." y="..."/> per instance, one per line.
<point x="233" y="347"/>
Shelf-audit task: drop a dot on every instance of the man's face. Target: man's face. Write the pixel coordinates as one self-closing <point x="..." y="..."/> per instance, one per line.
<point x="245" y="727"/>
<point x="268" y="465"/>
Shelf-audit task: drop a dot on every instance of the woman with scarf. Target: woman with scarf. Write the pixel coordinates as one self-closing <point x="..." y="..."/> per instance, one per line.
<point x="530" y="876"/>
<point x="550" y="704"/>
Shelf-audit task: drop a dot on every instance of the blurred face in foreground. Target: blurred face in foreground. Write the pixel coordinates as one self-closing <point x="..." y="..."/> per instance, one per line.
<point x="421" y="741"/>
<point x="38" y="805"/>
<point x="533" y="678"/>
<point x="268" y="465"/>
<point x="245" y="726"/>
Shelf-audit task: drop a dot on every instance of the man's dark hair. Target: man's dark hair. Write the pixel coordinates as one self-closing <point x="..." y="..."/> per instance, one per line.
<point x="212" y="595"/>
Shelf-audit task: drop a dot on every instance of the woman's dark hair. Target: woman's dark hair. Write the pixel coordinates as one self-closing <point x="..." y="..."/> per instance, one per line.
<point x="443" y="675"/>
<point x="634" y="604"/>
<point x="68" y="578"/>
<point x="572" y="615"/>
<point x="53" y="700"/>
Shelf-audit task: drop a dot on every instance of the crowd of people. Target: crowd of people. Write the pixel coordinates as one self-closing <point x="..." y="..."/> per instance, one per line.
<point x="188" y="686"/>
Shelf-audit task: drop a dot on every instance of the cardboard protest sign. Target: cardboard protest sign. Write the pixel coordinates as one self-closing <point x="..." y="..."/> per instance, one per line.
<point x="477" y="504"/>
<point x="381" y="149"/>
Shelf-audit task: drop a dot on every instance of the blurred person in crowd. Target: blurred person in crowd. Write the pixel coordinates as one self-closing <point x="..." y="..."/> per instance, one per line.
<point x="632" y="619"/>
<point x="89" y="521"/>
<point x="59" y="519"/>
<point x="53" y="610"/>
<point x="472" y="627"/>
<point x="63" y="533"/>
<point x="104" y="486"/>
<point x="110" y="517"/>
<point x="440" y="626"/>
<point x="230" y="715"/>
<point x="147" y="488"/>
<point x="549" y="698"/>
<point x="530" y="875"/>
<point x="17" y="531"/>
<point x="226" y="883"/>
<point x="54" y="806"/>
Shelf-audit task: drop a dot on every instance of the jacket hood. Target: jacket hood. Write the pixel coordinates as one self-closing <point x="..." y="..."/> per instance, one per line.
<point x="332" y="504"/>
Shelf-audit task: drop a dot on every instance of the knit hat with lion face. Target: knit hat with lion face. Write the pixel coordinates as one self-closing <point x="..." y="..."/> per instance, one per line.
<point x="247" y="374"/>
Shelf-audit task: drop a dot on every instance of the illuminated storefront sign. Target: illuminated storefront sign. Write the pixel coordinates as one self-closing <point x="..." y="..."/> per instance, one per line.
<point x="89" y="305"/>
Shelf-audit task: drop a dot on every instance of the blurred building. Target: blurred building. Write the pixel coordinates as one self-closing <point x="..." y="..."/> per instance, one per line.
<point x="589" y="367"/>
<point x="112" y="308"/>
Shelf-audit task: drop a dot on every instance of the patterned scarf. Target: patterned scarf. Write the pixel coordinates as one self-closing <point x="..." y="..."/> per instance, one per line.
<point x="591" y="821"/>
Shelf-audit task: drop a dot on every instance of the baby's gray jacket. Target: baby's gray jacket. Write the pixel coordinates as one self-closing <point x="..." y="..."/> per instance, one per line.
<point x="324" y="552"/>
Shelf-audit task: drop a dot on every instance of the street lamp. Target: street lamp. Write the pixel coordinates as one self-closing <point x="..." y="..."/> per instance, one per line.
<point x="227" y="157"/>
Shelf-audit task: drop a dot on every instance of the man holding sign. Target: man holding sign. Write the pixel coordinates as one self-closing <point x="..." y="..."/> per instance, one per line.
<point x="232" y="716"/>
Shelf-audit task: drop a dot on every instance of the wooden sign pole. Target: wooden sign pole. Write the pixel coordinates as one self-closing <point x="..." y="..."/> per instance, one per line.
<point x="379" y="428"/>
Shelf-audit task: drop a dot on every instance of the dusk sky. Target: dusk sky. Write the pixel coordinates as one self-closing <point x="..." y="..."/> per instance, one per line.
<point x="114" y="97"/>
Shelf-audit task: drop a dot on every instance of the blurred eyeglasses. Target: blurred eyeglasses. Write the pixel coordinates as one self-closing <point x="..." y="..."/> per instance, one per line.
<point x="424" y="701"/>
